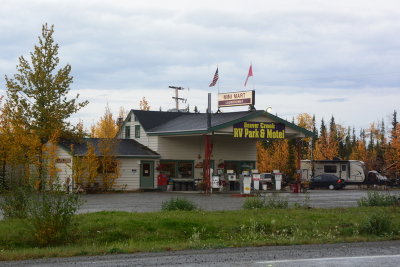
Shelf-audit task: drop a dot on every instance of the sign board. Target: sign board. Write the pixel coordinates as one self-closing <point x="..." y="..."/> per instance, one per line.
<point x="259" y="130"/>
<point x="63" y="160"/>
<point x="243" y="98"/>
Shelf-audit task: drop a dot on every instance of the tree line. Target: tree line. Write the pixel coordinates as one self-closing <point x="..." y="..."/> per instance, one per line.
<point x="378" y="146"/>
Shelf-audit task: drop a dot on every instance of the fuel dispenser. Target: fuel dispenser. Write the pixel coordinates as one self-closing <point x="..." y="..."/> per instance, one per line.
<point x="256" y="177"/>
<point x="278" y="179"/>
<point x="245" y="183"/>
<point x="231" y="178"/>
<point x="214" y="180"/>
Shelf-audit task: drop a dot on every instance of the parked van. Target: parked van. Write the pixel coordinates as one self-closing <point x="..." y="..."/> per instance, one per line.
<point x="351" y="171"/>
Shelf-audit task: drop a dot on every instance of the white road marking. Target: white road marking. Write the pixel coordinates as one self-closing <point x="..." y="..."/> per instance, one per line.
<point x="329" y="259"/>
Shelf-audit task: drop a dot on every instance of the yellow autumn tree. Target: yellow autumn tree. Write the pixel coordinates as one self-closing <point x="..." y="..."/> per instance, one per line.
<point x="262" y="158"/>
<point x="49" y="159"/>
<point x="106" y="130"/>
<point x="275" y="156"/>
<point x="85" y="168"/>
<point x="144" y="104"/>
<point x="109" y="165"/>
<point x="106" y="127"/>
<point x="18" y="149"/>
<point x="359" y="152"/>
<point x="305" y="121"/>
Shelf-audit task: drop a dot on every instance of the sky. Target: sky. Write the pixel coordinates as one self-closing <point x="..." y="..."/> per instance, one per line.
<point x="328" y="58"/>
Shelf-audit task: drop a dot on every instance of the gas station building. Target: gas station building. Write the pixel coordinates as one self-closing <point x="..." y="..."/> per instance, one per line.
<point x="192" y="146"/>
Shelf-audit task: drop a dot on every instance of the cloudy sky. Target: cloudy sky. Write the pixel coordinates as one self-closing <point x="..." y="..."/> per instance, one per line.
<point x="321" y="57"/>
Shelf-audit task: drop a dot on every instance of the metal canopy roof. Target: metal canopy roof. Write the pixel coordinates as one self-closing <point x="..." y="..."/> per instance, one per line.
<point x="182" y="123"/>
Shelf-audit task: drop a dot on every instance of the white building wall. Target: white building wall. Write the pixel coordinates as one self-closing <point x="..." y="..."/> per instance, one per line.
<point x="149" y="141"/>
<point x="65" y="169"/>
<point x="225" y="148"/>
<point x="129" y="178"/>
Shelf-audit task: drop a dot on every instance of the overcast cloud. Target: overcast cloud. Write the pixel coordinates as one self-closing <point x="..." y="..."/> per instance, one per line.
<point x="325" y="58"/>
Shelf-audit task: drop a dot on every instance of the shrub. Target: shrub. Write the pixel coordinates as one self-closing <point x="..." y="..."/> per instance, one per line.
<point x="178" y="204"/>
<point x="49" y="216"/>
<point x="275" y="201"/>
<point x="378" y="199"/>
<point x="253" y="203"/>
<point x="377" y="223"/>
<point x="272" y="201"/>
<point x="14" y="203"/>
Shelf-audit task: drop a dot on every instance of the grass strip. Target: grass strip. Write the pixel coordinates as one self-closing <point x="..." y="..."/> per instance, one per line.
<point x="123" y="232"/>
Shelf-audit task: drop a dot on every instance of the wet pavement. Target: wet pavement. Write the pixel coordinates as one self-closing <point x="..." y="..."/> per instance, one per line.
<point x="152" y="201"/>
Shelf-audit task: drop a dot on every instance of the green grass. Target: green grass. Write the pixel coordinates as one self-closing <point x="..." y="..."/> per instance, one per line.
<point x="123" y="232"/>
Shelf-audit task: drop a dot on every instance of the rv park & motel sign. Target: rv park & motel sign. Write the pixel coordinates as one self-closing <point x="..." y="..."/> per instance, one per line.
<point x="259" y="130"/>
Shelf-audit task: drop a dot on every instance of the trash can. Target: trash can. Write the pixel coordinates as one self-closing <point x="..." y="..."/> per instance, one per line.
<point x="170" y="185"/>
<point x="264" y="187"/>
<point x="295" y="188"/>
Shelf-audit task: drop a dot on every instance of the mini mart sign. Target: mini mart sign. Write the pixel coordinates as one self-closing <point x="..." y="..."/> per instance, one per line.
<point x="259" y="130"/>
<point x="243" y="98"/>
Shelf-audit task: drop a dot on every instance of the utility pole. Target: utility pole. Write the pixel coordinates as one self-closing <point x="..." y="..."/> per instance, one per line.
<point x="176" y="97"/>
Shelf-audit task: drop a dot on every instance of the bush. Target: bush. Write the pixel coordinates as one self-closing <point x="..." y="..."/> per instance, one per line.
<point x="14" y="203"/>
<point x="274" y="201"/>
<point x="377" y="224"/>
<point x="378" y="199"/>
<point x="253" y="203"/>
<point x="178" y="204"/>
<point x="49" y="216"/>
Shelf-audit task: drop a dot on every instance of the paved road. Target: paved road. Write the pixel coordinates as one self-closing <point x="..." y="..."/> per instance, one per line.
<point x="151" y="201"/>
<point x="344" y="254"/>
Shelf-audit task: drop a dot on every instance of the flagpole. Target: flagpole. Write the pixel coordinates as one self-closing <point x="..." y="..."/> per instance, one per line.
<point x="218" y="80"/>
<point x="252" y="76"/>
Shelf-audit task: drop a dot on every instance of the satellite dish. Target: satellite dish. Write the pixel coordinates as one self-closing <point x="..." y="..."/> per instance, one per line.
<point x="269" y="109"/>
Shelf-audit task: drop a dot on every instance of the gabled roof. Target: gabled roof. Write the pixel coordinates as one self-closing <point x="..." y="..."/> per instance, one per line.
<point x="177" y="123"/>
<point x="123" y="147"/>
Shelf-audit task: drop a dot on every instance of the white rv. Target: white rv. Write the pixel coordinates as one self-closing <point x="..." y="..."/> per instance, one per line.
<point x="352" y="171"/>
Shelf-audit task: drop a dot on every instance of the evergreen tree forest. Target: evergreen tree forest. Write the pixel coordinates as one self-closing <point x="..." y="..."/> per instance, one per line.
<point x="377" y="146"/>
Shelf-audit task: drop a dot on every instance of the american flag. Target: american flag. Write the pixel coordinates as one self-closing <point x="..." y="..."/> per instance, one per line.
<point x="215" y="79"/>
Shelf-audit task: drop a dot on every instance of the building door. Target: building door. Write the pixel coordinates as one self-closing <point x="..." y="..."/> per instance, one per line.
<point x="147" y="174"/>
<point x="343" y="172"/>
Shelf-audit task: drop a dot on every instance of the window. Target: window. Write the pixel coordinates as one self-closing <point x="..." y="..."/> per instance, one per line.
<point x="344" y="168"/>
<point x="135" y="118"/>
<point x="127" y="132"/>
<point x="128" y="118"/>
<point x="177" y="168"/>
<point x="108" y="167"/>
<point x="137" y="131"/>
<point x="168" y="168"/>
<point x="330" y="169"/>
<point x="185" y="169"/>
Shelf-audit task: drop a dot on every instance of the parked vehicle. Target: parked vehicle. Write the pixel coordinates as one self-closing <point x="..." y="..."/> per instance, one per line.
<point x="327" y="181"/>
<point x="352" y="171"/>
<point x="375" y="177"/>
<point x="270" y="178"/>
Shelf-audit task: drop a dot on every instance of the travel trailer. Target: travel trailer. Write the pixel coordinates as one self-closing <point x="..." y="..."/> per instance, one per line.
<point x="352" y="171"/>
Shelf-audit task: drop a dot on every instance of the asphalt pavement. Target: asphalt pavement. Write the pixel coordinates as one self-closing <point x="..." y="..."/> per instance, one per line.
<point x="342" y="254"/>
<point x="152" y="201"/>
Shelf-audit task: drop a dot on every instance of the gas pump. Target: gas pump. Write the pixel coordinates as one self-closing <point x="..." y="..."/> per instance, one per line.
<point x="231" y="177"/>
<point x="255" y="176"/>
<point x="245" y="182"/>
<point x="214" y="180"/>
<point x="278" y="179"/>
